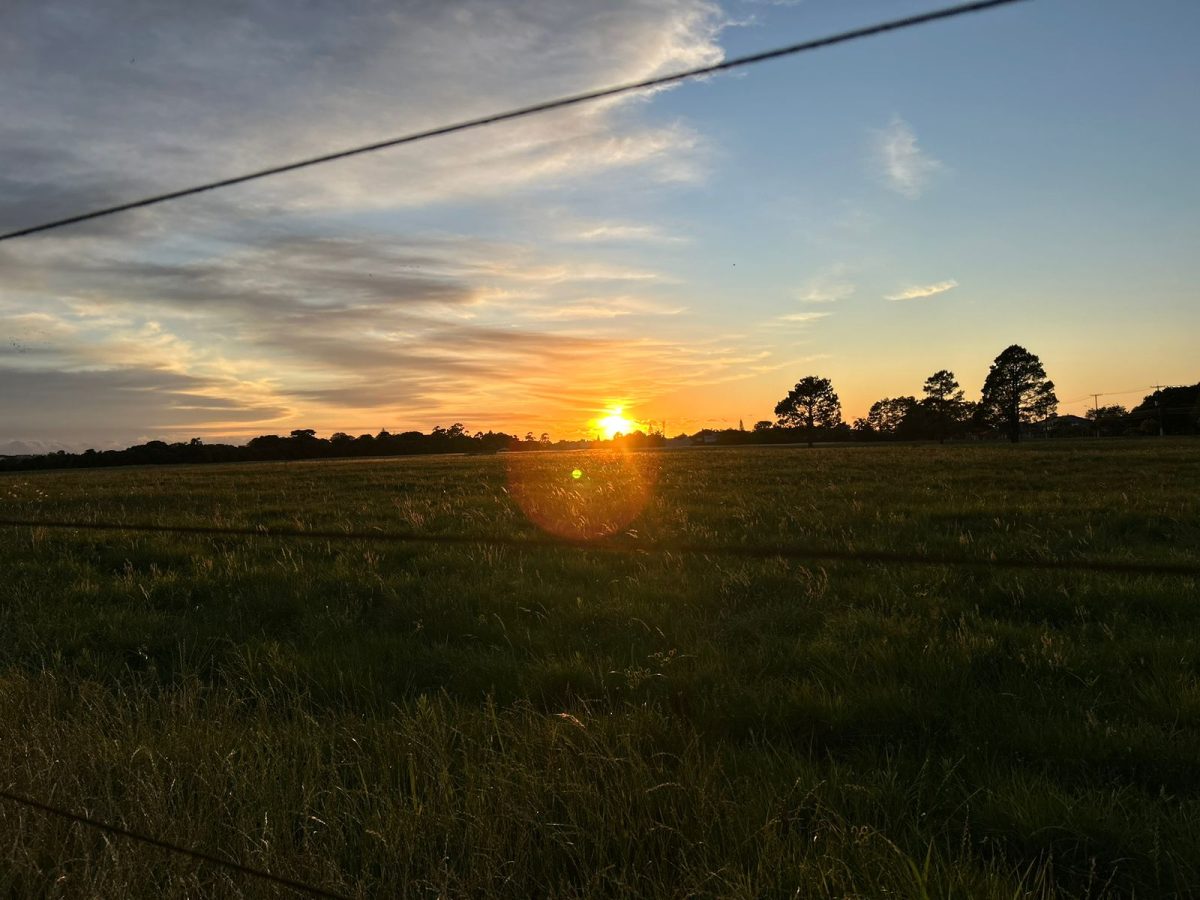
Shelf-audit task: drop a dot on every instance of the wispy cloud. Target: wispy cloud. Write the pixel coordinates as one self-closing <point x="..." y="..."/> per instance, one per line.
<point x="907" y="168"/>
<point x="603" y="308"/>
<point x="918" y="291"/>
<point x="274" y="332"/>
<point x="237" y="313"/>
<point x="624" y="232"/>
<point x="269" y="106"/>
<point x="804" y="317"/>
<point x="827" y="287"/>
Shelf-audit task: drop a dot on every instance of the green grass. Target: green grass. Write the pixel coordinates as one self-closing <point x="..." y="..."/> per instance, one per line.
<point x="452" y="721"/>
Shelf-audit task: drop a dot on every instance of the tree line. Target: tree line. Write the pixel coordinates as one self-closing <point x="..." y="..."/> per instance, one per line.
<point x="1016" y="396"/>
<point x="1169" y="410"/>
<point x="301" y="443"/>
<point x="1016" y="392"/>
<point x="1016" y="399"/>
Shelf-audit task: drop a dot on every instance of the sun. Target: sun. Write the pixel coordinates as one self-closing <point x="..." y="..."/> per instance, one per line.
<point x="613" y="423"/>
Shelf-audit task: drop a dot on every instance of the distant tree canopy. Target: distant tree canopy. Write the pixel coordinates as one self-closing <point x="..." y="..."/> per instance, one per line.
<point x="945" y="410"/>
<point x="1104" y="413"/>
<point x="811" y="404"/>
<point x="887" y="416"/>
<point x="1171" y="410"/>
<point x="301" y="443"/>
<point x="940" y="414"/>
<point x="1016" y="391"/>
<point x="1109" y="421"/>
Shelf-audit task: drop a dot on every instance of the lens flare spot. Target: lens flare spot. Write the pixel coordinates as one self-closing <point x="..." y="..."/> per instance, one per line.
<point x="615" y="491"/>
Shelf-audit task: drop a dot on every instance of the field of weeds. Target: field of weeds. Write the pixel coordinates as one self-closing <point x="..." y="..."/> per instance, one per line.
<point x="394" y="719"/>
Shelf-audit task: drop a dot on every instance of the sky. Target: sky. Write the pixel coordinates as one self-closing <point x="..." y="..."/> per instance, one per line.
<point x="870" y="213"/>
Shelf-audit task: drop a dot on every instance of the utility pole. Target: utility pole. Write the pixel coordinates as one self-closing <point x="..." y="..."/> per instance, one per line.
<point x="1096" y="412"/>
<point x="1158" y="402"/>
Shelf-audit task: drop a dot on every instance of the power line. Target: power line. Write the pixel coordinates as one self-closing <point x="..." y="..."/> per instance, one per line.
<point x="171" y="848"/>
<point x="1187" y="569"/>
<point x="521" y="112"/>
<point x="1104" y="394"/>
<point x="1124" y="393"/>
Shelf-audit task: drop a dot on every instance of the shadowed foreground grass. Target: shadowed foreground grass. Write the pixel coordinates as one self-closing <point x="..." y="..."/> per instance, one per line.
<point x="390" y="720"/>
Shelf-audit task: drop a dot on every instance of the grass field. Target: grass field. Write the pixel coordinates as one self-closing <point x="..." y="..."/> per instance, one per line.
<point x="449" y="721"/>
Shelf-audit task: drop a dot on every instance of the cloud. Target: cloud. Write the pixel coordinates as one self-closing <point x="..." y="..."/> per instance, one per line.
<point x="916" y="292"/>
<point x="827" y="287"/>
<point x="113" y="406"/>
<point x="27" y="448"/>
<point x="625" y="232"/>
<point x="804" y="317"/>
<point x="194" y="92"/>
<point x="907" y="169"/>
<point x="603" y="308"/>
<point x="240" y="311"/>
<point x="346" y="333"/>
<point x="827" y="294"/>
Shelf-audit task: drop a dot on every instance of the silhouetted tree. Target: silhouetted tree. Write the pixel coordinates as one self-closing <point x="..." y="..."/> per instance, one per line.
<point x="1170" y="410"/>
<point x="811" y="404"/>
<point x="1015" y="391"/>
<point x="1108" y="420"/>
<point x="887" y="416"/>
<point x="764" y="425"/>
<point x="945" y="410"/>
<point x="1097" y="414"/>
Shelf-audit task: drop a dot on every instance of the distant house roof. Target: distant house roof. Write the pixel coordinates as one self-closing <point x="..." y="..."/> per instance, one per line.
<point x="1052" y="423"/>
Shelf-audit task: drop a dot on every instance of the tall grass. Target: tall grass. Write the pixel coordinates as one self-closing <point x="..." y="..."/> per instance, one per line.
<point x="467" y="721"/>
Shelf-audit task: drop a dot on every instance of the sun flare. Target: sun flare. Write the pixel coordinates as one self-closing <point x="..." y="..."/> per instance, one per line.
<point x="613" y="422"/>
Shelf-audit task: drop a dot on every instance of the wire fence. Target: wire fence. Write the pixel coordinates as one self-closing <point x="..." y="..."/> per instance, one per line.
<point x="148" y="840"/>
<point x="806" y="554"/>
<point x="810" y="554"/>
<point x="1188" y="569"/>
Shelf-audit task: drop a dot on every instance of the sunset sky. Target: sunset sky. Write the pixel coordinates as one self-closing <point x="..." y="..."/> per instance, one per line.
<point x="870" y="212"/>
